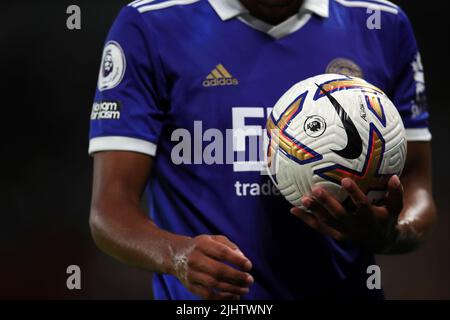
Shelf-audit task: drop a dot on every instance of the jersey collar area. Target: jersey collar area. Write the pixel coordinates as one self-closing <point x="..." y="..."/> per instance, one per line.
<point x="230" y="9"/>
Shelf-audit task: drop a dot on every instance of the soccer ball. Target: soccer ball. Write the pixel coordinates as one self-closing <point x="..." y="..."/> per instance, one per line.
<point x="329" y="127"/>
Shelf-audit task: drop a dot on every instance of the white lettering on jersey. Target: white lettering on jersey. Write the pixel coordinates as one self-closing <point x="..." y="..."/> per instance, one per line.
<point x="243" y="143"/>
<point x="248" y="138"/>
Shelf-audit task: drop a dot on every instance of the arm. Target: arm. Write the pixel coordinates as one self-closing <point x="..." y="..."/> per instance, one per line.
<point x="399" y="226"/>
<point x="419" y="213"/>
<point x="122" y="229"/>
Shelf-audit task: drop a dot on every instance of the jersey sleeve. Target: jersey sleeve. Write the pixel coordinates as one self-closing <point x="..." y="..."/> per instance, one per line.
<point x="409" y="93"/>
<point x="127" y="112"/>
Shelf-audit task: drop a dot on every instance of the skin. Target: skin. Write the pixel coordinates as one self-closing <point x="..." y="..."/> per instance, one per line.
<point x="398" y="226"/>
<point x="273" y="11"/>
<point x="409" y="212"/>
<point x="123" y="230"/>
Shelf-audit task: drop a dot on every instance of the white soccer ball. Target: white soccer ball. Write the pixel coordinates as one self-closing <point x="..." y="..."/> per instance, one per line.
<point x="329" y="127"/>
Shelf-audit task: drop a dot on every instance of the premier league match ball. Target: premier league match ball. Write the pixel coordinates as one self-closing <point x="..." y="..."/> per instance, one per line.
<point x="330" y="127"/>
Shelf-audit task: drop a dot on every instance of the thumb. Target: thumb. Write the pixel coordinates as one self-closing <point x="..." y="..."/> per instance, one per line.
<point x="394" y="202"/>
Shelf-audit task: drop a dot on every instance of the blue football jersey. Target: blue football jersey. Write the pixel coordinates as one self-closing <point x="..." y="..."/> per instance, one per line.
<point x="192" y="82"/>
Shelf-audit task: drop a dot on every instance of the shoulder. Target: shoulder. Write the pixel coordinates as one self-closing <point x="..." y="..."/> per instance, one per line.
<point x="146" y="7"/>
<point x="163" y="15"/>
<point x="391" y="15"/>
<point x="155" y="17"/>
<point x="362" y="5"/>
<point x="363" y="8"/>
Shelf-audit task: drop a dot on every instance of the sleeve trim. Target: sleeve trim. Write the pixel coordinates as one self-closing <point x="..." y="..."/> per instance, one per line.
<point x="420" y="134"/>
<point x="116" y="143"/>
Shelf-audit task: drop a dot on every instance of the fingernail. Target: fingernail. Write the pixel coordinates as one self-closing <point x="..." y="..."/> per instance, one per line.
<point x="396" y="181"/>
<point x="346" y="183"/>
<point x="248" y="265"/>
<point x="317" y="192"/>
<point x="239" y="252"/>
<point x="306" y="202"/>
<point x="250" y="279"/>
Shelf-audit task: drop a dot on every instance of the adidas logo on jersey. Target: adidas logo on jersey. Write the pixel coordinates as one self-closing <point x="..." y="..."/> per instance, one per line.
<point x="220" y="76"/>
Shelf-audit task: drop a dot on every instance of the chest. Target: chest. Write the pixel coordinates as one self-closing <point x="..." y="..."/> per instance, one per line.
<point x="231" y="77"/>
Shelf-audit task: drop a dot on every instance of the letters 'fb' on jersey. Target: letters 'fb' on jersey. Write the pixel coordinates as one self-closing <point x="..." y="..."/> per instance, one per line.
<point x="189" y="71"/>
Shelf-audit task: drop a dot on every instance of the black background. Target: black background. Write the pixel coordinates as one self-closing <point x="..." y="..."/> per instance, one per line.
<point x="49" y="75"/>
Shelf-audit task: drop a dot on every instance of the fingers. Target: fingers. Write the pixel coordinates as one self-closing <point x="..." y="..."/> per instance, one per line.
<point x="318" y="225"/>
<point x="224" y="240"/>
<point x="228" y="252"/>
<point x="358" y="197"/>
<point x="210" y="294"/>
<point x="208" y="281"/>
<point x="307" y="218"/>
<point x="368" y="226"/>
<point x="223" y="272"/>
<point x="320" y="212"/>
<point x="330" y="204"/>
<point x="208" y="274"/>
<point x="394" y="201"/>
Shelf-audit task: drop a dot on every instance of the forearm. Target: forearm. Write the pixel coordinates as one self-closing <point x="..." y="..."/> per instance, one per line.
<point x="417" y="218"/>
<point x="126" y="233"/>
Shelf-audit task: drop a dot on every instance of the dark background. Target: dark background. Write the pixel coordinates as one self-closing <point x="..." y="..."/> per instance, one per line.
<point x="49" y="76"/>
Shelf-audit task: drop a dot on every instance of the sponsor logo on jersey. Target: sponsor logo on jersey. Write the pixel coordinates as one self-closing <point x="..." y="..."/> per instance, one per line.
<point x="113" y="66"/>
<point x="106" y="110"/>
<point x="266" y="188"/>
<point x="419" y="104"/>
<point x="240" y="146"/>
<point x="220" y="76"/>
